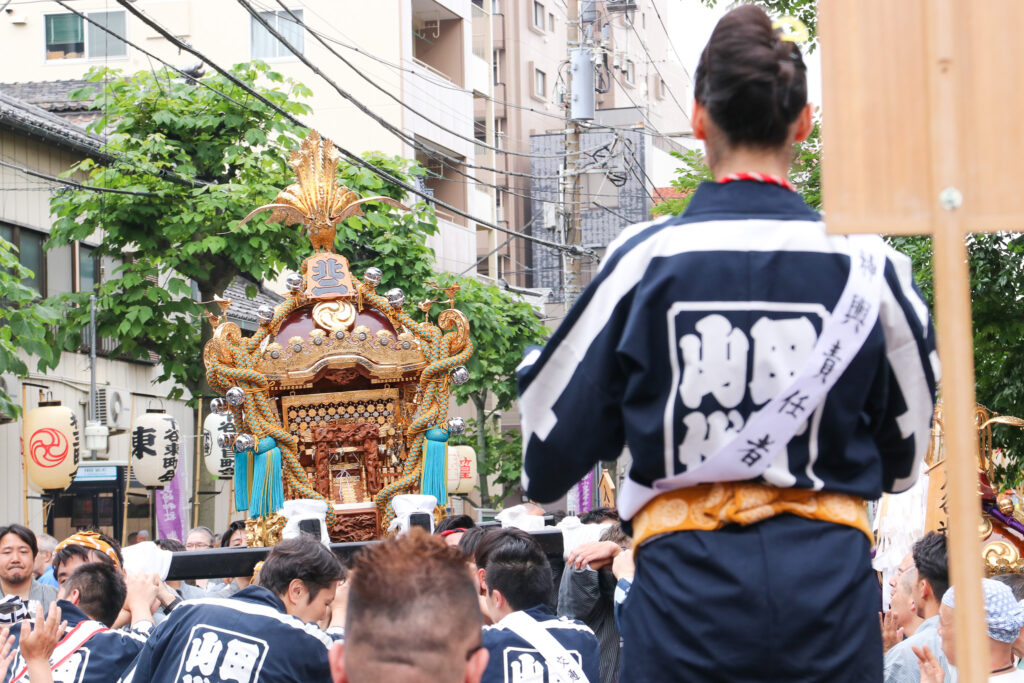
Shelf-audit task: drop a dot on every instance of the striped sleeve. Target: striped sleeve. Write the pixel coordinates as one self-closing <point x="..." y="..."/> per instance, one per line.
<point x="575" y="380"/>
<point x="902" y="428"/>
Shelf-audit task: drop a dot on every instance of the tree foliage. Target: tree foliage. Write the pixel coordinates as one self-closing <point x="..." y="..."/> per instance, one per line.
<point x="503" y="326"/>
<point x="164" y="133"/>
<point x="804" y="10"/>
<point x="204" y="162"/>
<point x="996" y="264"/>
<point x="805" y="174"/>
<point x="25" y="324"/>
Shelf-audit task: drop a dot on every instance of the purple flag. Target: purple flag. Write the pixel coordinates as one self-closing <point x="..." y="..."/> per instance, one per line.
<point x="169" y="505"/>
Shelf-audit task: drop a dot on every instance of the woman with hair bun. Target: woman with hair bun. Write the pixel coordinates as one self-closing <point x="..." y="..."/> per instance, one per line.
<point x="767" y="379"/>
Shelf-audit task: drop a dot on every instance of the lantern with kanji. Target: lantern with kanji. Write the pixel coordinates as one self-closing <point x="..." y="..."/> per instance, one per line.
<point x="462" y="472"/>
<point x="219" y="459"/>
<point x="50" y="443"/>
<point x="155" y="443"/>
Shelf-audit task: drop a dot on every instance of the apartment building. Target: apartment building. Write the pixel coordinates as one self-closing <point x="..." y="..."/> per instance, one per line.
<point x="641" y="85"/>
<point x="422" y="66"/>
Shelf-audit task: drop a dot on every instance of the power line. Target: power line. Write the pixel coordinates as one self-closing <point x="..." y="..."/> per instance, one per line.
<point x="430" y="153"/>
<point x="651" y="61"/>
<point x="394" y="130"/>
<point x="376" y="85"/>
<point x="72" y="183"/>
<point x="452" y="86"/>
<point x="381" y="173"/>
<point x="668" y="36"/>
<point x="427" y="151"/>
<point x="636" y="106"/>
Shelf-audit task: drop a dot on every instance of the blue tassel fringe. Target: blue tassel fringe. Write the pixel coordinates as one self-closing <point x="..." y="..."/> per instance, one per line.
<point x="435" y="457"/>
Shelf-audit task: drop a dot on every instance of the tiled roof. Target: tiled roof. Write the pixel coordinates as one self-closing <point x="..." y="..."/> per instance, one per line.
<point x="663" y="193"/>
<point x="243" y="309"/>
<point x="54" y="96"/>
<point x="28" y="118"/>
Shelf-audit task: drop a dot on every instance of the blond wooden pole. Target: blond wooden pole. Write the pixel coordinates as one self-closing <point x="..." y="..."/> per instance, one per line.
<point x="24" y="464"/>
<point x="127" y="483"/>
<point x="196" y="446"/>
<point x="953" y="318"/>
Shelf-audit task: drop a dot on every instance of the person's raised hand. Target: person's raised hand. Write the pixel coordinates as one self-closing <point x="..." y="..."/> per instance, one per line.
<point x="339" y="605"/>
<point x="891" y="632"/>
<point x="142" y="590"/>
<point x="928" y="663"/>
<point x="37" y="644"/>
<point x="596" y="555"/>
<point x="7" y="650"/>
<point x="623" y="566"/>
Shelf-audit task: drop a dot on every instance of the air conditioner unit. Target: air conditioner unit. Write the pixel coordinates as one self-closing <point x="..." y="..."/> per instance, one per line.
<point x="620" y="5"/>
<point x="113" y="407"/>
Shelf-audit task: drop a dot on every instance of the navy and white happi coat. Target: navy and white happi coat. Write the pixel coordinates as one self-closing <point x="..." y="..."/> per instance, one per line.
<point x="696" y="321"/>
<point x="247" y="638"/>
<point x="101" y="659"/>
<point x="514" y="660"/>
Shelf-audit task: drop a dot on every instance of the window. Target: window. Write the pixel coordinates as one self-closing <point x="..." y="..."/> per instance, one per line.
<point x="30" y="253"/>
<point x="68" y="36"/>
<point x="538" y="15"/>
<point x="266" y="46"/>
<point x="88" y="268"/>
<point x="540" y="88"/>
<point x="630" y="71"/>
<point x="551" y="22"/>
<point x="497" y="67"/>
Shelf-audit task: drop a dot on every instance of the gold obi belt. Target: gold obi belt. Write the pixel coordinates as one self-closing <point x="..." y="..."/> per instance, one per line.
<point x="709" y="507"/>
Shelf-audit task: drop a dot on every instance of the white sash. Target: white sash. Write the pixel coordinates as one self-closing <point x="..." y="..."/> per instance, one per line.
<point x="562" y="666"/>
<point x="75" y="639"/>
<point x="772" y="427"/>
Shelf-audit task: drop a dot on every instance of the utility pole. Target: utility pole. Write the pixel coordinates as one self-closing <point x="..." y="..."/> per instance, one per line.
<point x="579" y="107"/>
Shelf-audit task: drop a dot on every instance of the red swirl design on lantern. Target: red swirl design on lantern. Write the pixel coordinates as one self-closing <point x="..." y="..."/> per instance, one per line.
<point x="48" y="447"/>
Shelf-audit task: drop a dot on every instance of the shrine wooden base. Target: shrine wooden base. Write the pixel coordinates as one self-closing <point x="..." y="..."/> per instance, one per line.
<point x="355" y="522"/>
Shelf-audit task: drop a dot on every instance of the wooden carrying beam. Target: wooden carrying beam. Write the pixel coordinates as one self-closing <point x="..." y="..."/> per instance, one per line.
<point x="220" y="562"/>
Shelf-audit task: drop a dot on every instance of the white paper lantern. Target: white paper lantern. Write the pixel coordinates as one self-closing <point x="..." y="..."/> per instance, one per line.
<point x="50" y="444"/>
<point x="156" y="441"/>
<point x="462" y="472"/>
<point x="220" y="461"/>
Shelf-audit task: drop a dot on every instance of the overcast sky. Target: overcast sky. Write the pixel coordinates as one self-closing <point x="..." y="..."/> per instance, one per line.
<point x="691" y="24"/>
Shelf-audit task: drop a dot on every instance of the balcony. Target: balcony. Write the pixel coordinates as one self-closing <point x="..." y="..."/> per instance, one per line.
<point x="454" y="245"/>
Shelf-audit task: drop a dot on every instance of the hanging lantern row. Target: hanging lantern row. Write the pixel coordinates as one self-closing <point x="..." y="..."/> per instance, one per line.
<point x="51" y="446"/>
<point x="156" y="440"/>
<point x="218" y="452"/>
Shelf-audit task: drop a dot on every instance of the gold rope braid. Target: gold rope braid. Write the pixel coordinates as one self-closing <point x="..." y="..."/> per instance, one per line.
<point x="433" y="412"/>
<point x="255" y="415"/>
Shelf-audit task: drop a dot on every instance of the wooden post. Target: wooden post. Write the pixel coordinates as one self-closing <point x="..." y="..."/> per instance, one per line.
<point x="24" y="465"/>
<point x="953" y="324"/>
<point x="923" y="102"/>
<point x="196" y="447"/>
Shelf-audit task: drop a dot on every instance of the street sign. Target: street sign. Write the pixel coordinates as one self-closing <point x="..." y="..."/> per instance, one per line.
<point x="104" y="473"/>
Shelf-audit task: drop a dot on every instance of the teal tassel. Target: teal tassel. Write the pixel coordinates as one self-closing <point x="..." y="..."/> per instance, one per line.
<point x="257" y="506"/>
<point x="267" y="464"/>
<point x="241" y="481"/>
<point x="435" y="475"/>
<point x="276" y="483"/>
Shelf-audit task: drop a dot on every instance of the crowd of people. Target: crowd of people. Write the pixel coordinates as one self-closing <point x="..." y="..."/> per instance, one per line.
<point x="797" y="383"/>
<point x="467" y="603"/>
